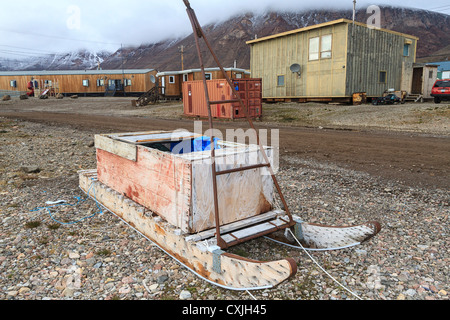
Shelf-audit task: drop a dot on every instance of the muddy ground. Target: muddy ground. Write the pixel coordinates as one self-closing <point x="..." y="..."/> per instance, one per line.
<point x="407" y="143"/>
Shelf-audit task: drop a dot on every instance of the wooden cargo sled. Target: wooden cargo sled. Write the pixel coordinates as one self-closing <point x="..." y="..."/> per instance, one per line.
<point x="195" y="197"/>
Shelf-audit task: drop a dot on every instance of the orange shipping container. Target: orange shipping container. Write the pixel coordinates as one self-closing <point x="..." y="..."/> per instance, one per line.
<point x="194" y="101"/>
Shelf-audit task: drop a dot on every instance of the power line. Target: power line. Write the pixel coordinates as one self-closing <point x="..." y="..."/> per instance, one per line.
<point x="26" y="53"/>
<point x="446" y="6"/>
<point x="31" y="49"/>
<point x="58" y="37"/>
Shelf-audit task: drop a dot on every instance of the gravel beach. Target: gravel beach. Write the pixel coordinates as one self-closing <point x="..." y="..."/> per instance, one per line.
<point x="72" y="250"/>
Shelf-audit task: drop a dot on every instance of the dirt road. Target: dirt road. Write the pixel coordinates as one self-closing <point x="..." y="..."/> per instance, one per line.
<point x="412" y="159"/>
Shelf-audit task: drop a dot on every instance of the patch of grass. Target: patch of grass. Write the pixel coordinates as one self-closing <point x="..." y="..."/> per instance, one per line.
<point x="287" y="118"/>
<point x="241" y="252"/>
<point x="104" y="252"/>
<point x="54" y="226"/>
<point x="44" y="240"/>
<point x="32" y="224"/>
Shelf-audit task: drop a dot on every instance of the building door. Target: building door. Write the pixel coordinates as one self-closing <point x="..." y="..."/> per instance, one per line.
<point x="417" y="81"/>
<point x="114" y="84"/>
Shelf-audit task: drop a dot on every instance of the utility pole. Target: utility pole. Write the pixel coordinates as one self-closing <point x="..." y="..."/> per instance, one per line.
<point x="354" y="17"/>
<point x="123" y="71"/>
<point x="182" y="57"/>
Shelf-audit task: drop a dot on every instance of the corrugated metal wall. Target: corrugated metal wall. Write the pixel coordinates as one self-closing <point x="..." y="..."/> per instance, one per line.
<point x="194" y="101"/>
<point x="371" y="51"/>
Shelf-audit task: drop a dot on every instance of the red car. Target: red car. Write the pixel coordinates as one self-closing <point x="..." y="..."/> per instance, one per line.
<point x="441" y="90"/>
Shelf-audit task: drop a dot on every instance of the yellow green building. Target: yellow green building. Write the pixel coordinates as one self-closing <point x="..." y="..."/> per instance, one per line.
<point x="332" y="61"/>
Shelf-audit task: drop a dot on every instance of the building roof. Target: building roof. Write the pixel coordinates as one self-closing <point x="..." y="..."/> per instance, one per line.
<point x="325" y="24"/>
<point x="171" y="73"/>
<point x="442" y="65"/>
<point x="74" y="72"/>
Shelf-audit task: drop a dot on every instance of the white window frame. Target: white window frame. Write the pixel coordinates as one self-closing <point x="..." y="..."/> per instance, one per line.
<point x="171" y="79"/>
<point x="320" y="53"/>
<point x="327" y="50"/>
<point x="314" y="55"/>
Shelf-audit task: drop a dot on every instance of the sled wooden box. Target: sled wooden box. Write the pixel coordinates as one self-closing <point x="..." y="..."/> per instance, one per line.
<point x="178" y="187"/>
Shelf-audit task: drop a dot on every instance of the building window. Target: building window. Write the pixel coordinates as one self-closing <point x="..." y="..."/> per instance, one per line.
<point x="100" y="82"/>
<point x="320" y="47"/>
<point x="430" y="74"/>
<point x="13" y="83"/>
<point x="280" y="81"/>
<point x="85" y="83"/>
<point x="325" y="47"/>
<point x="185" y="77"/>
<point x="314" y="48"/>
<point x="406" y="49"/>
<point x="208" y="76"/>
<point x="171" y="79"/>
<point x="382" y="77"/>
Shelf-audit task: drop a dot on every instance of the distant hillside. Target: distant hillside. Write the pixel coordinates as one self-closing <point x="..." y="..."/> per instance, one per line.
<point x="228" y="38"/>
<point x="440" y="55"/>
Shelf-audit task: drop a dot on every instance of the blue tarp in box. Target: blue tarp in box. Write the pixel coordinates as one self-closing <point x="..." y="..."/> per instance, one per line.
<point x="194" y="145"/>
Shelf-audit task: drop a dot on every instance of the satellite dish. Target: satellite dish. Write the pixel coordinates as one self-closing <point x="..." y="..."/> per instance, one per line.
<point x="152" y="78"/>
<point x="295" y="68"/>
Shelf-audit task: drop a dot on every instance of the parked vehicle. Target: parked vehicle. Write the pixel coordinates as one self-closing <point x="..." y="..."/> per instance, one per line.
<point x="441" y="90"/>
<point x="388" y="99"/>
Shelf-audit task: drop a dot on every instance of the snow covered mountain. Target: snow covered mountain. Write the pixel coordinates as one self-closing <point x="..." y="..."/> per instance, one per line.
<point x="79" y="60"/>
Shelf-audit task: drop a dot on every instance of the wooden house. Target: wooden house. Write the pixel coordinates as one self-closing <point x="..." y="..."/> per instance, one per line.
<point x="171" y="82"/>
<point x="81" y="82"/>
<point x="332" y="61"/>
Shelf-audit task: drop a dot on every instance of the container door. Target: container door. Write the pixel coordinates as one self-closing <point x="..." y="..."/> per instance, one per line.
<point x="189" y="98"/>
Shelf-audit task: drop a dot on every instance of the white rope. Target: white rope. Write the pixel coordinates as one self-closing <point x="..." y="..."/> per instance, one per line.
<point x="251" y="295"/>
<point x="322" y="268"/>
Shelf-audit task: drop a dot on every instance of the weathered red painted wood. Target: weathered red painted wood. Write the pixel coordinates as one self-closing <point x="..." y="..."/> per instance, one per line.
<point x="160" y="183"/>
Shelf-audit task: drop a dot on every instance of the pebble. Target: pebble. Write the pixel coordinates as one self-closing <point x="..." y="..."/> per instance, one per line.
<point x="102" y="258"/>
<point x="411" y="292"/>
<point x="184" y="295"/>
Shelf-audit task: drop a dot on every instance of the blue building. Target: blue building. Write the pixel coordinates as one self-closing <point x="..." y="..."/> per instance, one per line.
<point x="443" y="69"/>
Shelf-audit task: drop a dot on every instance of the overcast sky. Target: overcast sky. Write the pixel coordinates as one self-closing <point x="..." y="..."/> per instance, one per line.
<point x="31" y="27"/>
